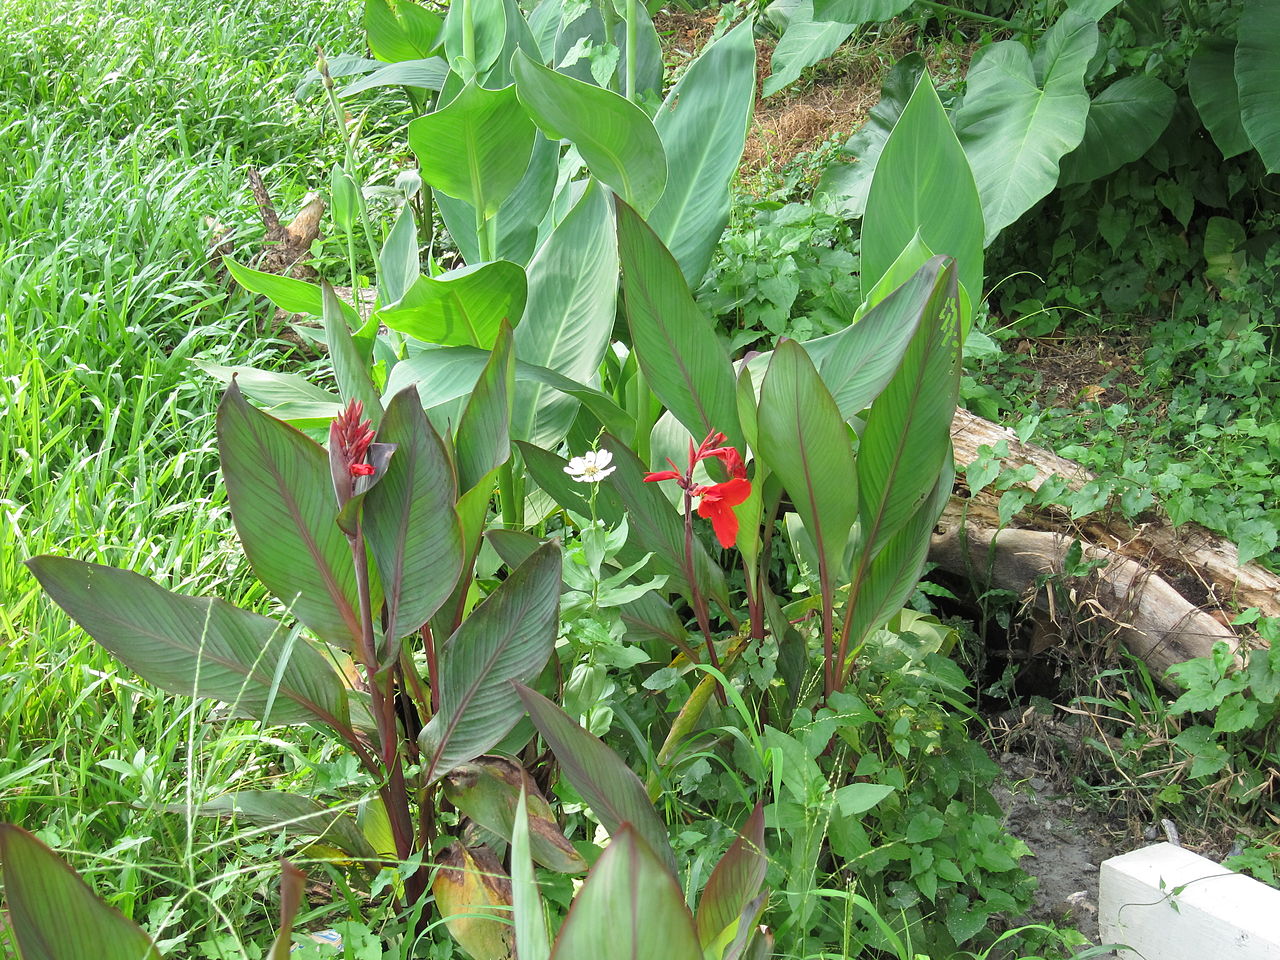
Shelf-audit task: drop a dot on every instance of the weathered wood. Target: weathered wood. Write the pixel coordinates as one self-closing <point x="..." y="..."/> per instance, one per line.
<point x="1149" y="616"/>
<point x="1162" y="591"/>
<point x="1183" y="555"/>
<point x="1167" y="903"/>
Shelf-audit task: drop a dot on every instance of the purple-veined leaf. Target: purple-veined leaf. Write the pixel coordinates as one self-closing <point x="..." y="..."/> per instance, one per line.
<point x="410" y="523"/>
<point x="54" y="915"/>
<point x="288" y="814"/>
<point x="686" y="365"/>
<point x="281" y="493"/>
<point x="197" y="646"/>
<point x="508" y="637"/>
<point x="735" y="881"/>
<point x="614" y="793"/>
<point x="907" y="437"/>
<point x="483" y="441"/>
<point x="804" y="441"/>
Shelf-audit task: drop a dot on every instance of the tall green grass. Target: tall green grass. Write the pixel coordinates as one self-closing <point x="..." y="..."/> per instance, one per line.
<point x="122" y="126"/>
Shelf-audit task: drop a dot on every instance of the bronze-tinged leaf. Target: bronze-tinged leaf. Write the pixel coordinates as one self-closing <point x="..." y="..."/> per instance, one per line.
<point x="488" y="791"/>
<point x="473" y="893"/>
<point x="735" y="882"/>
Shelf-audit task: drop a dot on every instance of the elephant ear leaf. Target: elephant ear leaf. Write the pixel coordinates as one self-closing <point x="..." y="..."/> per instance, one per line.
<point x="54" y="915"/>
<point x="197" y="646"/>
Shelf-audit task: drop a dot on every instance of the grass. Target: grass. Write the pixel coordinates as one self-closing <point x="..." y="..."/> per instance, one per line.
<point x="121" y="128"/>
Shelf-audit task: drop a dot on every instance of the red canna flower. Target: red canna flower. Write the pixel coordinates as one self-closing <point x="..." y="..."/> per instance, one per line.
<point x="717" y="500"/>
<point x="717" y="503"/>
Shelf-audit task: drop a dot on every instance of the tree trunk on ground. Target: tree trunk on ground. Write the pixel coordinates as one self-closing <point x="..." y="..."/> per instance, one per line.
<point x="1168" y="593"/>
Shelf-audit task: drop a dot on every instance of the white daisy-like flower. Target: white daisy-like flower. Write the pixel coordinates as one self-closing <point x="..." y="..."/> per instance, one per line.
<point x="591" y="467"/>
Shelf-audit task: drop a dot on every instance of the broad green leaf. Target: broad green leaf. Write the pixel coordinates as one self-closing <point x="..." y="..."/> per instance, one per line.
<point x="518" y="217"/>
<point x="858" y="11"/>
<point x="923" y="185"/>
<point x="526" y="903"/>
<point x="489" y="21"/>
<point x="476" y="148"/>
<point x="405" y="31"/>
<point x="292" y="814"/>
<point x="484" y="431"/>
<point x="270" y="388"/>
<point x="398" y="265"/>
<point x="569" y="317"/>
<point x="544" y="22"/>
<point x="489" y="792"/>
<point x="462" y="307"/>
<point x="519" y="37"/>
<point x="804" y="441"/>
<point x="196" y="646"/>
<point x="1211" y="78"/>
<point x="1020" y="118"/>
<point x="447" y="373"/>
<point x="350" y="367"/>
<point x="409" y="520"/>
<point x="858" y="361"/>
<point x="1124" y="121"/>
<point x="806" y="41"/>
<point x="427" y="74"/>
<point x="282" y="501"/>
<point x="290" y="295"/>
<point x="703" y="125"/>
<point x="509" y="636"/>
<point x="907" y="437"/>
<point x="616" y="140"/>
<point x="615" y="794"/>
<point x="676" y="346"/>
<point x="648" y="55"/>
<point x="54" y="915"/>
<point x="629" y="908"/>
<point x="1258" y="78"/>
<point x="843" y="189"/>
<point x="735" y="881"/>
<point x="880" y="585"/>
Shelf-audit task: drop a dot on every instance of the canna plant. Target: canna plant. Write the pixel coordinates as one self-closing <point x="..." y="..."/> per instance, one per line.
<point x="369" y="548"/>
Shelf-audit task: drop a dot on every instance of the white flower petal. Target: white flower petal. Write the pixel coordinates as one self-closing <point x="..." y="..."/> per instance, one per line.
<point x="603" y="458"/>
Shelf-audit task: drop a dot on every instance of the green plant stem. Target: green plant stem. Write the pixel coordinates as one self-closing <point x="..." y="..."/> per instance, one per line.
<point x="469" y="33"/>
<point x="508" y="496"/>
<point x="699" y="602"/>
<point x="970" y="15"/>
<point x="349" y="165"/>
<point x="630" y="82"/>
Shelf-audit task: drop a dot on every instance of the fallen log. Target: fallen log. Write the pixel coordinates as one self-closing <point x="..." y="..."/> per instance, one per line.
<point x="1168" y="593"/>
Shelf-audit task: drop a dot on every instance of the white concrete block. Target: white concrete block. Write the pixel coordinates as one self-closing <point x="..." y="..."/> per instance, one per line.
<point x="1167" y="903"/>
